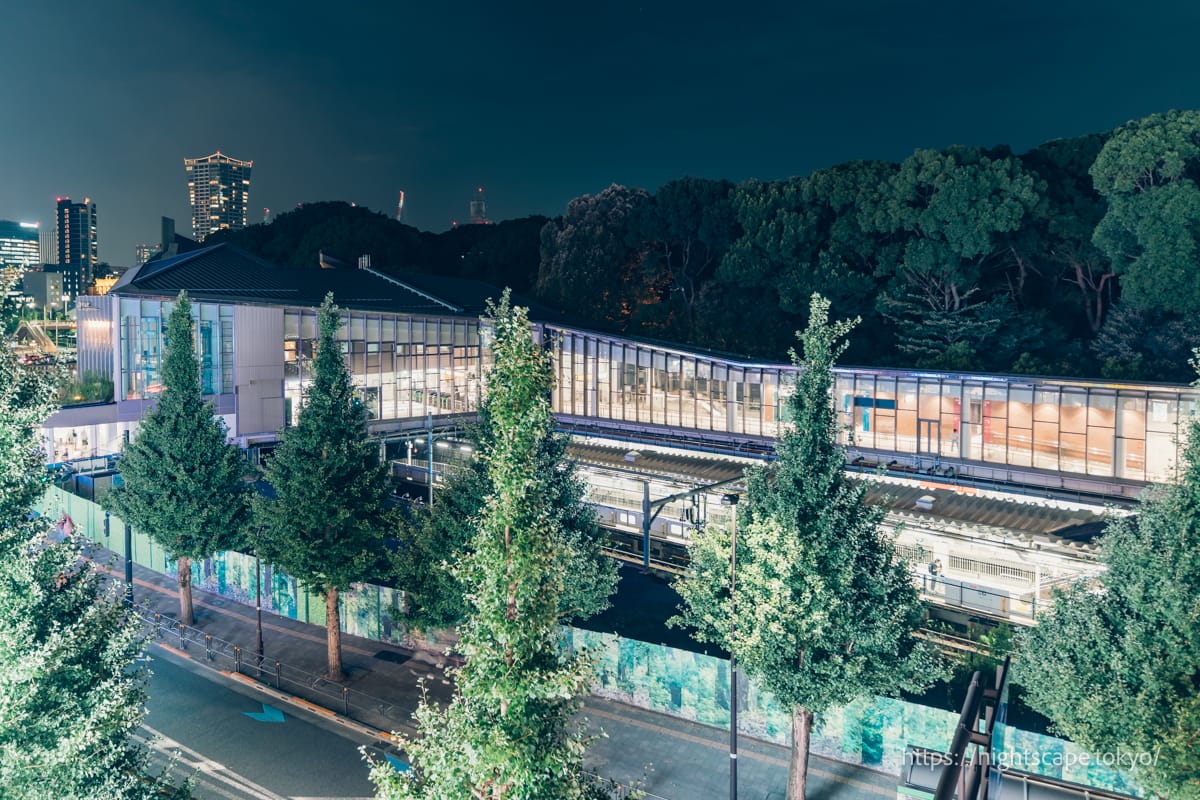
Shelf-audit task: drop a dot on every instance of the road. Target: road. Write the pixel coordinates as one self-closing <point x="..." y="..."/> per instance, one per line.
<point x="236" y="757"/>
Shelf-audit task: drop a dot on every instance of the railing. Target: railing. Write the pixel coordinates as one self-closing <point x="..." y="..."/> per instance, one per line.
<point x="221" y="654"/>
<point x="1021" y="608"/>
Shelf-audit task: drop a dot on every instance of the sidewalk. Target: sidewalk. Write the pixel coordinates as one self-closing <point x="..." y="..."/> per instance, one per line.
<point x="672" y="758"/>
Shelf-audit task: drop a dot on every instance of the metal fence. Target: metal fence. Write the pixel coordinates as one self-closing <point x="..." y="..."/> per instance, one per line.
<point x="224" y="655"/>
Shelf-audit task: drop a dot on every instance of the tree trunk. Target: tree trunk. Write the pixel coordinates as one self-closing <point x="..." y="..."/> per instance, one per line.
<point x="333" y="635"/>
<point x="185" y="591"/>
<point x="802" y="721"/>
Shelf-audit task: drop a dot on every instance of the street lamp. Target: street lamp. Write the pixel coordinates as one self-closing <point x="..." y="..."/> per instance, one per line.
<point x="258" y="646"/>
<point x="128" y="563"/>
<point x="732" y="500"/>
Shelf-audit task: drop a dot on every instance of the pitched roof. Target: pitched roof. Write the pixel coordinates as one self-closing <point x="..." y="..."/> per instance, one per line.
<point x="224" y="272"/>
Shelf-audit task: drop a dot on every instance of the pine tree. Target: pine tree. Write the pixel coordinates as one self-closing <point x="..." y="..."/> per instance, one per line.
<point x="1116" y="663"/>
<point x="433" y="538"/>
<point x="326" y="527"/>
<point x="507" y="733"/>
<point x="825" y="612"/>
<point x="72" y="682"/>
<point x="183" y="485"/>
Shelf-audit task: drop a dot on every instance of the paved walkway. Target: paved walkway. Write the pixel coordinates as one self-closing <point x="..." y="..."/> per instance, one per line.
<point x="672" y="758"/>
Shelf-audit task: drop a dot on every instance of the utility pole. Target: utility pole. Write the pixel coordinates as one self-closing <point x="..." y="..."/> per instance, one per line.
<point x="732" y="501"/>
<point x="258" y="647"/>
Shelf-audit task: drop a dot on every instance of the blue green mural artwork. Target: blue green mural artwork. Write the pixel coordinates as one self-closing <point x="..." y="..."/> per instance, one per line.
<point x="872" y="732"/>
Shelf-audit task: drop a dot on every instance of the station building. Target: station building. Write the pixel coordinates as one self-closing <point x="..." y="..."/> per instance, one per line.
<point x="415" y="346"/>
<point x="1002" y="478"/>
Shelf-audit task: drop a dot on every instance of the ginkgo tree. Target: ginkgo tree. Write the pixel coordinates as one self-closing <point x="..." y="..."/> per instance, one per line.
<point x="508" y="731"/>
<point x="72" y="677"/>
<point x="825" y="612"/>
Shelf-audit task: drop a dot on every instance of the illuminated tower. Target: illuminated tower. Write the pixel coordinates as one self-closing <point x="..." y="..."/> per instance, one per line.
<point x="219" y="193"/>
<point x="400" y="207"/>
<point x="479" y="208"/>
<point x="78" y="252"/>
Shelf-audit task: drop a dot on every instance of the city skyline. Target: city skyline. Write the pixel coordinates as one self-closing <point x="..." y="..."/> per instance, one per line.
<point x="539" y="105"/>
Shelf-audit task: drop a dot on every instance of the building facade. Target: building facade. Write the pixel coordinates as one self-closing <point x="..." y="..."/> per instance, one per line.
<point x="218" y="192"/>
<point x="45" y="289"/>
<point x="78" y="244"/>
<point x="47" y="247"/>
<point x="19" y="244"/>
<point x="415" y="355"/>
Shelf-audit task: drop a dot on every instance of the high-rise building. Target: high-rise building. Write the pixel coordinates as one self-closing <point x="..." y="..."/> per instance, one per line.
<point x="78" y="252"/>
<point x="19" y="244"/>
<point x="219" y="193"/>
<point x="142" y="253"/>
<point x="45" y="289"/>
<point x="47" y="247"/>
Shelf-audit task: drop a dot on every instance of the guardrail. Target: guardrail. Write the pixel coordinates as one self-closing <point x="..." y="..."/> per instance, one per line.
<point x="353" y="704"/>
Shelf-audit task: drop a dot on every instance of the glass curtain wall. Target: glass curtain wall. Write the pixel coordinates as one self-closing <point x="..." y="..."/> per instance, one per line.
<point x="143" y="339"/>
<point x="401" y="366"/>
<point x="1110" y="431"/>
<point x="1125" y="431"/>
<point x="641" y="384"/>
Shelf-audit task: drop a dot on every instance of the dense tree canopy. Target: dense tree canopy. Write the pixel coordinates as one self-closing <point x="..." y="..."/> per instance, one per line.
<point x="72" y="683"/>
<point x="1148" y="171"/>
<point x="589" y="260"/>
<point x="1054" y="261"/>
<point x="1115" y="664"/>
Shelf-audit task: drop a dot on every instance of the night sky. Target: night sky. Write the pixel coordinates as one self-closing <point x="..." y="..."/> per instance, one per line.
<point x="542" y="102"/>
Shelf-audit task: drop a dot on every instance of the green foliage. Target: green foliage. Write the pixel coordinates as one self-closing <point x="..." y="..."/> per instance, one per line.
<point x="26" y="400"/>
<point x="91" y="387"/>
<point x="1115" y="663"/>
<point x="326" y="526"/>
<point x="338" y="229"/>
<point x="806" y="235"/>
<point x="684" y="228"/>
<point x="589" y="264"/>
<point x="508" y="732"/>
<point x="953" y="208"/>
<point x="72" y="686"/>
<point x="183" y="485"/>
<point x="1148" y="173"/>
<point x="1143" y="345"/>
<point x="432" y="540"/>
<point x="825" y="612"/>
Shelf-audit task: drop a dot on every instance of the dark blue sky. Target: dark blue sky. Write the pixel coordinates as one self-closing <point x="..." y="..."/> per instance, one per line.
<point x="541" y="102"/>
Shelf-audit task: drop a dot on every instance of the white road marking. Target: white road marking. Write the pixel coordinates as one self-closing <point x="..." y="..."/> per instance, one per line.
<point x="216" y="773"/>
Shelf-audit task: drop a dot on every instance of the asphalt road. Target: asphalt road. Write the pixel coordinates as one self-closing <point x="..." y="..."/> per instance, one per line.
<point x="203" y="716"/>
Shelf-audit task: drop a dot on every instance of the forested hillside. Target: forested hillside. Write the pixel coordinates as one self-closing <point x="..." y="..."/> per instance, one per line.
<point x="1076" y="258"/>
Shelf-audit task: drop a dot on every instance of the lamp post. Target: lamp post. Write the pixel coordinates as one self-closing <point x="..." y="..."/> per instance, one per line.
<point x="128" y="539"/>
<point x="732" y="501"/>
<point x="429" y="449"/>
<point x="258" y="642"/>
<point x="128" y="563"/>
